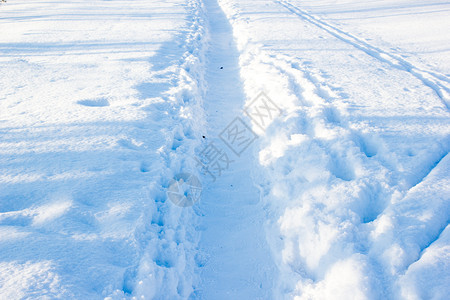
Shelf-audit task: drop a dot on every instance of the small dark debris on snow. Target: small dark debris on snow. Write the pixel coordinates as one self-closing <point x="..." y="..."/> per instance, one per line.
<point x="221" y="68"/>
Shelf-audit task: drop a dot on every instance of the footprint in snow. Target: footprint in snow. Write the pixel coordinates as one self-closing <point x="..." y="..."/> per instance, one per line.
<point x="100" y="102"/>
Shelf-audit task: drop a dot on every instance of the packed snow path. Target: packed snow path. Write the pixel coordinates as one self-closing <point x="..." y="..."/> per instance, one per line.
<point x="237" y="263"/>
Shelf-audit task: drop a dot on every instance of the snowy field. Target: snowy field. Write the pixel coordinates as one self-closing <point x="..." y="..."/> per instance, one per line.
<point x="319" y="132"/>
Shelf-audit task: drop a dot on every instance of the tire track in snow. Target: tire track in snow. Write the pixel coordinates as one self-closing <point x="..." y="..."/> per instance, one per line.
<point x="439" y="83"/>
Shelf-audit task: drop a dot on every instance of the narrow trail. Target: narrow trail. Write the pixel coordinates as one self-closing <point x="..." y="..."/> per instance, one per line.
<point x="235" y="261"/>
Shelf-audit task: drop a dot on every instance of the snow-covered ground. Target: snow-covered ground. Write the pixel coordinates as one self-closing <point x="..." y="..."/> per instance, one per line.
<point x="96" y="109"/>
<point x="341" y="191"/>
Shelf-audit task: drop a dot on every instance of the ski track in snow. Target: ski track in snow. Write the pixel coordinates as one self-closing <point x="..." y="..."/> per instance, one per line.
<point x="438" y="82"/>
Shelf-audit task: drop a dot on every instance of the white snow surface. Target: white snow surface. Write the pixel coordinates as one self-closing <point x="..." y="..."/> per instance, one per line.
<point x="343" y="194"/>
